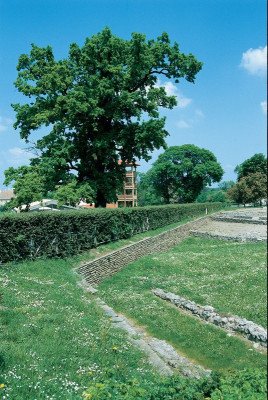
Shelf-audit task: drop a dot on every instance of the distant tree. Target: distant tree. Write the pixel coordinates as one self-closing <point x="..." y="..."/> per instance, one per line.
<point x="181" y="172"/>
<point x="28" y="186"/>
<point x="257" y="163"/>
<point x="71" y="194"/>
<point x="102" y="104"/>
<point x="146" y="193"/>
<point x="4" y="208"/>
<point x="250" y="189"/>
<point x="218" y="196"/>
<point x="225" y="185"/>
<point x="211" y="196"/>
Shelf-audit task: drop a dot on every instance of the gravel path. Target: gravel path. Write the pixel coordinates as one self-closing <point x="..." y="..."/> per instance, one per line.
<point x="243" y="224"/>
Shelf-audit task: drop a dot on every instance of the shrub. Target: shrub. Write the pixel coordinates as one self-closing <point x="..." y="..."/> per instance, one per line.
<point x="62" y="234"/>
<point x="239" y="385"/>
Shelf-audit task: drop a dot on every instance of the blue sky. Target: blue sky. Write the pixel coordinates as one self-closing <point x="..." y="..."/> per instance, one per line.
<point x="224" y="111"/>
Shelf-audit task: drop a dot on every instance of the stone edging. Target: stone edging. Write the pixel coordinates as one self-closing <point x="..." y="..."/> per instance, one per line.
<point x="234" y="238"/>
<point x="97" y="270"/>
<point x="248" y="329"/>
<point x="161" y="354"/>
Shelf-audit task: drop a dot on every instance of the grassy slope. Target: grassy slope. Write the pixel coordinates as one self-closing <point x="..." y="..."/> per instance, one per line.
<point x="226" y="275"/>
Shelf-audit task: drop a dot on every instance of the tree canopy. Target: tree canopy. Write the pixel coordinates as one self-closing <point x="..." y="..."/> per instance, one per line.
<point x="72" y="194"/>
<point x="147" y="196"/>
<point x="28" y="186"/>
<point x="181" y="172"/>
<point x="257" y="163"/>
<point x="249" y="189"/>
<point x="211" y="195"/>
<point x="101" y="103"/>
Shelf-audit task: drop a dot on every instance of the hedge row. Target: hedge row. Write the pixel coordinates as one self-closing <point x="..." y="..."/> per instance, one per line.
<point x="61" y="234"/>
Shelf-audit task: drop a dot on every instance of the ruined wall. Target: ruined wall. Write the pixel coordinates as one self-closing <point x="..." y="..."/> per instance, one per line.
<point x="96" y="271"/>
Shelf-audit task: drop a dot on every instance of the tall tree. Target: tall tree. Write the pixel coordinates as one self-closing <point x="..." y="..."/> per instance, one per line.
<point x="181" y="172"/>
<point x="101" y="103"/>
<point x="257" y="163"/>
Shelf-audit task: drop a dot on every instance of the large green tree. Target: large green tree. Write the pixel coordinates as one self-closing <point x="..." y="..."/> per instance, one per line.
<point x="257" y="163"/>
<point x="181" y="172"/>
<point x="101" y="103"/>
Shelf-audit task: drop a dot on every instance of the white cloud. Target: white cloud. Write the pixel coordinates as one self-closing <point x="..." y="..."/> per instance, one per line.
<point x="254" y="61"/>
<point x="3" y="128"/>
<point x="199" y="113"/>
<point x="182" y="124"/>
<point x="172" y="90"/>
<point x="17" y="156"/>
<point x="264" y="106"/>
<point x="4" y="122"/>
<point x="183" y="101"/>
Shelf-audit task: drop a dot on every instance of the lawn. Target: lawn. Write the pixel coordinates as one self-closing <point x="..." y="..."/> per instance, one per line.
<point x="54" y="339"/>
<point x="55" y="342"/>
<point x="228" y="276"/>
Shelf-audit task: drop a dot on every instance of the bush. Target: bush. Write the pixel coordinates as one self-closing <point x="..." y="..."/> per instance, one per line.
<point x="62" y="234"/>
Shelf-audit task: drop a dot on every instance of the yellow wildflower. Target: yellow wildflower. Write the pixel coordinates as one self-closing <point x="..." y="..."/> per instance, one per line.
<point x="2" y="385"/>
<point x="114" y="348"/>
<point x="90" y="373"/>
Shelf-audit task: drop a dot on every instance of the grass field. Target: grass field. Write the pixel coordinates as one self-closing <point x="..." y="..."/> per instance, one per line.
<point x="53" y="339"/>
<point x="228" y="276"/>
<point x="55" y="342"/>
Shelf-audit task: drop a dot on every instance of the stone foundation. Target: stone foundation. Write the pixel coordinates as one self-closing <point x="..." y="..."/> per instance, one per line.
<point x="253" y="238"/>
<point x="248" y="329"/>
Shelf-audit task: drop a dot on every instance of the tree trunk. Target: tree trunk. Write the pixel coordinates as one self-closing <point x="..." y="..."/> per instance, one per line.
<point x="100" y="199"/>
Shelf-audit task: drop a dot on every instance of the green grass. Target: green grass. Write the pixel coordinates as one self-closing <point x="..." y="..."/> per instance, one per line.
<point x="226" y="275"/>
<point x="52" y="335"/>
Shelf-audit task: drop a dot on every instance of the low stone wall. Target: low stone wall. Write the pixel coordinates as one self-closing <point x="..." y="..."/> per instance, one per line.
<point x="235" y="238"/>
<point x="96" y="271"/>
<point x="241" y="220"/>
<point x="248" y="329"/>
<point x="253" y="216"/>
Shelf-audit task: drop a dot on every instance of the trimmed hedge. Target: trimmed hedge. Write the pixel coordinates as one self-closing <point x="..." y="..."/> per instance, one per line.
<point x="65" y="233"/>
